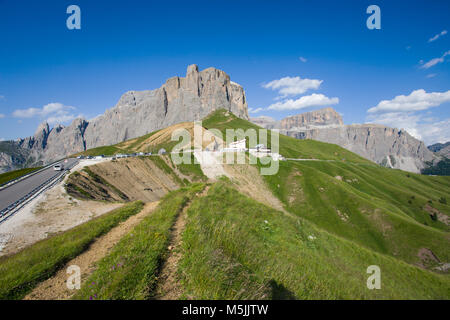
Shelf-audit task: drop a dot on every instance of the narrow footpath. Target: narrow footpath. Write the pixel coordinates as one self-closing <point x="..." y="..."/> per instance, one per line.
<point x="168" y="287"/>
<point x="55" y="288"/>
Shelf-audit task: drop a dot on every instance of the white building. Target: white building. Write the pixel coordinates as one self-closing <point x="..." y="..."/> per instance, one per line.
<point x="236" y="146"/>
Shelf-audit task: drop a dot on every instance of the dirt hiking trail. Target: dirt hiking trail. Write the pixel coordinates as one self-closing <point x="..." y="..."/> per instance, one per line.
<point x="55" y="288"/>
<point x="168" y="287"/>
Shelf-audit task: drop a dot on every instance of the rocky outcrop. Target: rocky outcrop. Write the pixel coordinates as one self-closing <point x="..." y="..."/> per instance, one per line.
<point x="266" y="122"/>
<point x="438" y="146"/>
<point x="140" y="112"/>
<point x="322" y="117"/>
<point x="63" y="141"/>
<point x="39" y="140"/>
<point x="389" y="147"/>
<point x="178" y="100"/>
<point x="442" y="149"/>
<point x="12" y="156"/>
<point x="445" y="151"/>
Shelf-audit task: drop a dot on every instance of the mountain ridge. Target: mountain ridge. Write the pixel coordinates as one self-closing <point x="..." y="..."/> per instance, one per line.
<point x="136" y="113"/>
<point x="387" y="146"/>
<point x="190" y="98"/>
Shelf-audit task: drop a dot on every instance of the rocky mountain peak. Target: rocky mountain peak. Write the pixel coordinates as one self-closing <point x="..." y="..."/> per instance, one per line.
<point x="140" y="112"/>
<point x="42" y="130"/>
<point x="193" y="68"/>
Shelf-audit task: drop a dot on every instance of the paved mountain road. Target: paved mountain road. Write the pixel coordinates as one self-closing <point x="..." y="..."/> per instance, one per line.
<point x="20" y="189"/>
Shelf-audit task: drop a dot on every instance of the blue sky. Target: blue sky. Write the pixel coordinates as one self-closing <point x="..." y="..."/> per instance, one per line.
<point x="322" y="51"/>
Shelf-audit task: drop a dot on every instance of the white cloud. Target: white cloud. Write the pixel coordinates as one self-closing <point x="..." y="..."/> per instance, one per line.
<point x="409" y="113"/>
<point x="292" y="86"/>
<point x="61" y="119"/>
<point x="434" y="61"/>
<point x="415" y="101"/>
<point x="256" y="110"/>
<point x="442" y="33"/>
<point x="2" y="115"/>
<point x="314" y="100"/>
<point x="2" y="97"/>
<point x="427" y="129"/>
<point x="53" y="113"/>
<point x="407" y="121"/>
<point x="431" y="75"/>
<point x="302" y="59"/>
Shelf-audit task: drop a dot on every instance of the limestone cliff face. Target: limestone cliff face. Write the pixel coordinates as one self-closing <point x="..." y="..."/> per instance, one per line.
<point x="266" y="122"/>
<point x="12" y="156"/>
<point x="387" y="146"/>
<point x="179" y="99"/>
<point x="63" y="141"/>
<point x="441" y="149"/>
<point x="322" y="117"/>
<point x="138" y="113"/>
<point x="445" y="151"/>
<point x="319" y="118"/>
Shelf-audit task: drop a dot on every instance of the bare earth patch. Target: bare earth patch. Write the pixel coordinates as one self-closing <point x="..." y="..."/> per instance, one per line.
<point x="162" y="136"/>
<point x="342" y="215"/>
<point x="139" y="179"/>
<point x="49" y="213"/>
<point x="439" y="215"/>
<point x="249" y="181"/>
<point x="55" y="288"/>
<point x="211" y="164"/>
<point x="165" y="135"/>
<point x="427" y="257"/>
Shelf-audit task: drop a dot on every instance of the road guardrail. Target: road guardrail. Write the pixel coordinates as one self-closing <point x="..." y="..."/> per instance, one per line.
<point x="19" y="204"/>
<point x="13" y="181"/>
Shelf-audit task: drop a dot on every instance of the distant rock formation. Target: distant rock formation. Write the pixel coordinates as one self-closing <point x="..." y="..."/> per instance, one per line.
<point x="387" y="146"/>
<point x="322" y="117"/>
<point x="266" y="122"/>
<point x="445" y="152"/>
<point x="137" y="113"/>
<point x="442" y="149"/>
<point x="12" y="156"/>
<point x="319" y="118"/>
<point x="441" y="165"/>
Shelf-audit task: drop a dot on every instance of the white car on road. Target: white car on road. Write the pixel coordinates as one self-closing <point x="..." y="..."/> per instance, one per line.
<point x="58" y="167"/>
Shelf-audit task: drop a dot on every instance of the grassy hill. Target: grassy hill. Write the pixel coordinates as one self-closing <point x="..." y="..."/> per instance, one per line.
<point x="388" y="211"/>
<point x="21" y="272"/>
<point x="222" y="120"/>
<point x="338" y="214"/>
<point x="237" y="248"/>
<point x="151" y="142"/>
<point x="11" y="175"/>
<point x="289" y="147"/>
<point x="392" y="212"/>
